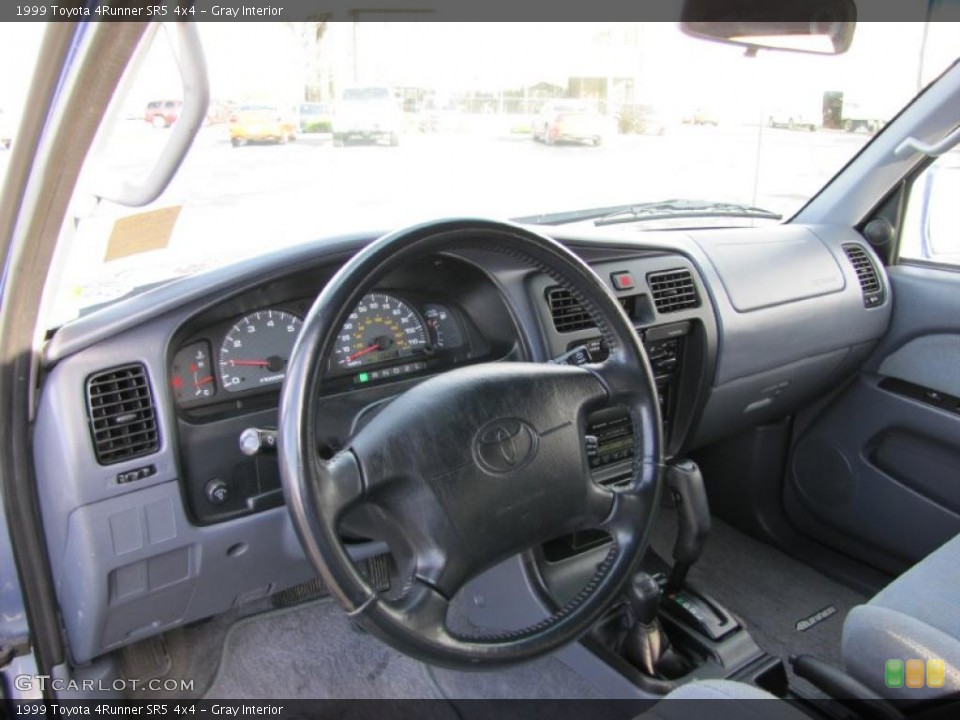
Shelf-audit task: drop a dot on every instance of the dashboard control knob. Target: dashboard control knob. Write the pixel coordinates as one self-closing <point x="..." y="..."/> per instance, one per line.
<point x="254" y="441"/>
<point x="216" y="491"/>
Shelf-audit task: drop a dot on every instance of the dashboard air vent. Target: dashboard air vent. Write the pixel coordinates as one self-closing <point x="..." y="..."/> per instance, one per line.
<point x="567" y="312"/>
<point x="673" y="290"/>
<point x="121" y="413"/>
<point x="866" y="275"/>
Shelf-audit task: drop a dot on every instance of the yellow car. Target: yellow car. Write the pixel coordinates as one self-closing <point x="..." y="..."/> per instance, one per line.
<point x="261" y="123"/>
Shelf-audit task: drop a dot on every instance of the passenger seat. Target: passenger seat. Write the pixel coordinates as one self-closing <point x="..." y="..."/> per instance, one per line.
<point x="916" y="617"/>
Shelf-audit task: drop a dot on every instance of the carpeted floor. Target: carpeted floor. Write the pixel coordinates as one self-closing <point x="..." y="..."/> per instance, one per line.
<point x="314" y="651"/>
<point x="769" y="590"/>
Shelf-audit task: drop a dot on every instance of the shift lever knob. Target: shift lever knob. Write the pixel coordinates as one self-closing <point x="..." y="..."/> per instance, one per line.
<point x="644" y="598"/>
<point x="693" y="511"/>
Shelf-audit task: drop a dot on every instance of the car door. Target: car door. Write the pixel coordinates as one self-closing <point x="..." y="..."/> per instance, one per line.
<point x="876" y="472"/>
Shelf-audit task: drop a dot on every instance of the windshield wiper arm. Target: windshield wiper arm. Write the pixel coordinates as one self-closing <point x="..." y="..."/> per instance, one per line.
<point x="671" y="209"/>
<point x="659" y="210"/>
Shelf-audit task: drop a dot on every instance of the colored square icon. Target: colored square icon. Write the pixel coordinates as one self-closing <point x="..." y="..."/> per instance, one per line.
<point x="915" y="673"/>
<point x="936" y="673"/>
<point x="893" y="673"/>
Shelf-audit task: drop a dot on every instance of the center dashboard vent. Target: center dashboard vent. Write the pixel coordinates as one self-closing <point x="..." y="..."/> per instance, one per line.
<point x="673" y="290"/>
<point x="567" y="312"/>
<point x="867" y="275"/>
<point x="122" y="416"/>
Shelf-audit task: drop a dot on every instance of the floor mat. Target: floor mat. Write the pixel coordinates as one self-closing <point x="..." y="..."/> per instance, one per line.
<point x="772" y="592"/>
<point x="314" y="651"/>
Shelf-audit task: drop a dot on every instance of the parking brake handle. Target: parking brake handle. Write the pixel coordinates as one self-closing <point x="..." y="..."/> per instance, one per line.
<point x="686" y="486"/>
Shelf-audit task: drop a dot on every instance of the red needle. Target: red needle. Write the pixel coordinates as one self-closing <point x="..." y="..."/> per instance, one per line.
<point x="208" y="378"/>
<point x="351" y="358"/>
<point x="254" y="363"/>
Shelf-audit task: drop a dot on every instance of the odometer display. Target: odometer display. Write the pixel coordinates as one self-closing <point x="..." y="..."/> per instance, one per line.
<point x="256" y="350"/>
<point x="381" y="328"/>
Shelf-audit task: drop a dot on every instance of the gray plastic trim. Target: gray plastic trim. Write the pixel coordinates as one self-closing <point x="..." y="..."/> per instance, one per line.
<point x="932" y="361"/>
<point x="128" y="563"/>
<point x="760" y="271"/>
<point x="863" y="502"/>
<point x="762" y="340"/>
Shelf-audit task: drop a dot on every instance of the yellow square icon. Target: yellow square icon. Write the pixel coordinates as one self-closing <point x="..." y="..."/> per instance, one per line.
<point x="936" y="673"/>
<point x="914" y="673"/>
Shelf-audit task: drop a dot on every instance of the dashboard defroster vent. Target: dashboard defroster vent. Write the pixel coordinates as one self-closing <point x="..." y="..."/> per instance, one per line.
<point x="567" y="312"/>
<point x="867" y="275"/>
<point x="121" y="414"/>
<point x="673" y="290"/>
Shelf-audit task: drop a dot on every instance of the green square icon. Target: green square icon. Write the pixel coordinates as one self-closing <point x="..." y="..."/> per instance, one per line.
<point x="893" y="673"/>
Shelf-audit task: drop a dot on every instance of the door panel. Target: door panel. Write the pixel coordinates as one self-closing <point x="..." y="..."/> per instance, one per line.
<point x="877" y="475"/>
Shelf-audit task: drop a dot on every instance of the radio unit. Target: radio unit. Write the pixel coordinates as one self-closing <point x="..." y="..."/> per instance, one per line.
<point x="609" y="432"/>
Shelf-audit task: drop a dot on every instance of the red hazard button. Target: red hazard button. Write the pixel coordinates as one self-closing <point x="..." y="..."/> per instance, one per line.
<point x="622" y="280"/>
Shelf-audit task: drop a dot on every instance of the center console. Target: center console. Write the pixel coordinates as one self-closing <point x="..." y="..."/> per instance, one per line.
<point x="665" y="631"/>
<point x="664" y="345"/>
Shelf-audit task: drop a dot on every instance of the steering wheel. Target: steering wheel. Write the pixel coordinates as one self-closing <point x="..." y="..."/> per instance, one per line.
<point x="474" y="465"/>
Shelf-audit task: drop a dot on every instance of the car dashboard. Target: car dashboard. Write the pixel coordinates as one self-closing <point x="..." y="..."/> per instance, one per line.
<point x="155" y="513"/>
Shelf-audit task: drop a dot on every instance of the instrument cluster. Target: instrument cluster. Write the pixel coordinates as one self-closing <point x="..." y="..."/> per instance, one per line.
<point x="385" y="337"/>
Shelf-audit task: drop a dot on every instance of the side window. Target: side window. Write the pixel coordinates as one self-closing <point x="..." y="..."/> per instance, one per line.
<point x="931" y="230"/>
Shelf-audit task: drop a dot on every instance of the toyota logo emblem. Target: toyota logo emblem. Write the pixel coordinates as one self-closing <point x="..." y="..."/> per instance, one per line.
<point x="506" y="445"/>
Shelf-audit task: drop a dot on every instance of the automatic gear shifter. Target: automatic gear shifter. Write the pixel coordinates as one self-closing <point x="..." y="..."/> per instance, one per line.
<point x="645" y="642"/>
<point x="686" y="487"/>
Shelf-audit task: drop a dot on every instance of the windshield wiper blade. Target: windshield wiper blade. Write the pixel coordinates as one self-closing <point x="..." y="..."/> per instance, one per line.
<point x="659" y="210"/>
<point x="672" y="209"/>
<point x="571" y="216"/>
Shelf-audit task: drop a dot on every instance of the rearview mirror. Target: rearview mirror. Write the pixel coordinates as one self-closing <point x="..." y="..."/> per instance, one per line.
<point x="812" y="26"/>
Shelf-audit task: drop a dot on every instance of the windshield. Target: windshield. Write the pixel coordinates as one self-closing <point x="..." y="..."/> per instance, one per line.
<point x="19" y="46"/>
<point x="510" y="124"/>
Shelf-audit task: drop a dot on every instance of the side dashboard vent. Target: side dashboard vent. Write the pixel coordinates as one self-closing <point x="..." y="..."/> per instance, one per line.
<point x="122" y="416"/>
<point x="867" y="275"/>
<point x="567" y="312"/>
<point x="673" y="290"/>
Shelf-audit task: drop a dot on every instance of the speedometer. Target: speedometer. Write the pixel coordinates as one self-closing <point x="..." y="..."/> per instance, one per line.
<point x="256" y="350"/>
<point x="381" y="328"/>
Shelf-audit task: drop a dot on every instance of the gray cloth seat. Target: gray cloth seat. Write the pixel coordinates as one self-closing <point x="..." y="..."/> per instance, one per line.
<point x="917" y="616"/>
<point x="695" y="700"/>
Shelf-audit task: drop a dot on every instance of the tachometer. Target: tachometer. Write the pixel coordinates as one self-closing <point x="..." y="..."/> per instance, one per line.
<point x="256" y="350"/>
<point x="381" y="327"/>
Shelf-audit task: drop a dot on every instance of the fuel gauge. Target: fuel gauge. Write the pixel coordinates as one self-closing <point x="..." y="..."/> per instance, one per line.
<point x="444" y="328"/>
<point x="191" y="375"/>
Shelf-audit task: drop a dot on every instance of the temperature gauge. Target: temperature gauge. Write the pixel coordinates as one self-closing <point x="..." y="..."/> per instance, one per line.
<point x="444" y="329"/>
<point x="191" y="375"/>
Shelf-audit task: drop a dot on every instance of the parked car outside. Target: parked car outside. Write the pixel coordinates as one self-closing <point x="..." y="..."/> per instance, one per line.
<point x="570" y="121"/>
<point x="367" y="114"/>
<point x="262" y="123"/>
<point x="162" y="113"/>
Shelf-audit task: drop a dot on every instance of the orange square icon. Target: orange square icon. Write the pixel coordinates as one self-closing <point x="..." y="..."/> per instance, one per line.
<point x="915" y="673"/>
<point x="936" y="673"/>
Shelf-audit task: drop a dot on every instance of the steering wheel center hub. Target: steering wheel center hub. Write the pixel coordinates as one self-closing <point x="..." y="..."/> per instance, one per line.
<point x="505" y="445"/>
